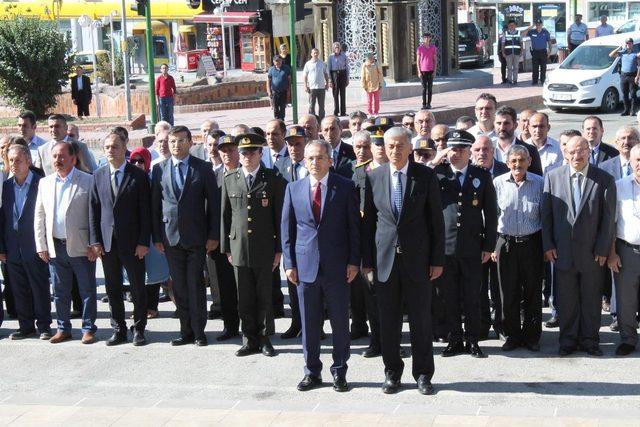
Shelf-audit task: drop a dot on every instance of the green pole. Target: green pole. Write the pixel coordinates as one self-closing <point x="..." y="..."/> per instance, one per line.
<point x="292" y="44"/>
<point x="152" y="78"/>
<point x="574" y="6"/>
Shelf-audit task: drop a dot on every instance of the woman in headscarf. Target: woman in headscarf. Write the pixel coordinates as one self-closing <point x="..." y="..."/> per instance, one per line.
<point x="155" y="262"/>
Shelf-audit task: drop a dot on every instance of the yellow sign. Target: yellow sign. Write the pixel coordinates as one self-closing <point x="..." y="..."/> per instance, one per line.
<point x="71" y="9"/>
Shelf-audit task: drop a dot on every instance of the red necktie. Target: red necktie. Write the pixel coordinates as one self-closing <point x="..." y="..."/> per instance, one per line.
<point x="317" y="202"/>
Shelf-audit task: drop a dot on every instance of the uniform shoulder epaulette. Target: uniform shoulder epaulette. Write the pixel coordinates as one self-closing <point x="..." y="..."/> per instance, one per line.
<point x="230" y="172"/>
<point x="366" y="162"/>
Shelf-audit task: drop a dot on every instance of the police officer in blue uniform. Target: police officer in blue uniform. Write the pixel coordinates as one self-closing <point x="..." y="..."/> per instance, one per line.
<point x="540" y="50"/>
<point x="629" y="76"/>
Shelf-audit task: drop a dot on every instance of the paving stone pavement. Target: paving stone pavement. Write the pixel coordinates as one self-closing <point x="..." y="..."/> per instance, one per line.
<point x="75" y="384"/>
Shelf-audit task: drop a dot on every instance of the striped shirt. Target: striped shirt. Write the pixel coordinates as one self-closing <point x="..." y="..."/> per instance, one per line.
<point x="519" y="207"/>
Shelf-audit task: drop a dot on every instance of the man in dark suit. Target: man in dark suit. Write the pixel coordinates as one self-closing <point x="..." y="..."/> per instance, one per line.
<point x="120" y="232"/>
<point x="470" y="216"/>
<point x="593" y="131"/>
<point x="505" y="126"/>
<point x="578" y="215"/>
<point x="321" y="247"/>
<point x="81" y="92"/>
<point x="403" y="240"/>
<point x="252" y="197"/>
<point x="29" y="273"/>
<point x="293" y="168"/>
<point x="342" y="153"/>
<point x="228" y="150"/>
<point x="185" y="225"/>
<point x="482" y="154"/>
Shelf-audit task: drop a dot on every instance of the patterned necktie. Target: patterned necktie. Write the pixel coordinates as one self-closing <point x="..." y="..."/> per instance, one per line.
<point x="397" y="194"/>
<point x="114" y="183"/>
<point x="627" y="169"/>
<point x="317" y="202"/>
<point x="577" y="191"/>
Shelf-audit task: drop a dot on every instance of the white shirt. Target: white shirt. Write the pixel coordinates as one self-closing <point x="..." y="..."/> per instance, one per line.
<point x="476" y="132"/>
<point x="572" y="172"/>
<point x="604" y="30"/>
<point x="628" y="210"/>
<point x="80" y="86"/>
<point x="315" y="72"/>
<point x="323" y="190"/>
<point x="403" y="180"/>
<point x="500" y="154"/>
<point x="62" y="200"/>
<point x="112" y="170"/>
<point x="247" y="173"/>
<point x="335" y="152"/>
<point x="269" y="156"/>
<point x="463" y="171"/>
<point x="301" y="172"/>
<point x="550" y="154"/>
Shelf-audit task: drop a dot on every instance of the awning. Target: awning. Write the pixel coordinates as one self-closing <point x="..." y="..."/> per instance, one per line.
<point x="230" y="18"/>
<point x="187" y="29"/>
<point x="155" y="25"/>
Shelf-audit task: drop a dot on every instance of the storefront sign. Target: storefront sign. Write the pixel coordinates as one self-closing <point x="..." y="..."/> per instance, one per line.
<point x="240" y="5"/>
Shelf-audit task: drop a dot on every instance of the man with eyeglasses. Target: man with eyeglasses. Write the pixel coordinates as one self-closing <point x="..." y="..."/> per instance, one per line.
<point x="356" y="119"/>
<point x="485" y="108"/>
<point x="424" y="122"/>
<point x="408" y="121"/>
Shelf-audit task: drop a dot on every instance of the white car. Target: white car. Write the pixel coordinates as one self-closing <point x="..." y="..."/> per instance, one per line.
<point x="588" y="77"/>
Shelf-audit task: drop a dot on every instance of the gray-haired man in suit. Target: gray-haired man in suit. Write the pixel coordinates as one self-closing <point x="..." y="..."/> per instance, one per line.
<point x="578" y="213"/>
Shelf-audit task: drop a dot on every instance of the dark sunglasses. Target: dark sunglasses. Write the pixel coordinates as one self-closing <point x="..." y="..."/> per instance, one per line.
<point x="137" y="161"/>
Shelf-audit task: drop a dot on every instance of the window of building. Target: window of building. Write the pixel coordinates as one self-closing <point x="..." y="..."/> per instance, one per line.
<point x="634" y="10"/>
<point x="616" y="11"/>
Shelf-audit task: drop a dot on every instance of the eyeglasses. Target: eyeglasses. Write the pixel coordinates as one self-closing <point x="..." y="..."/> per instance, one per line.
<point x="137" y="161"/>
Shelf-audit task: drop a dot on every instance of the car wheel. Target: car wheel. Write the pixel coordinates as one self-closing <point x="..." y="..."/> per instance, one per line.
<point x="610" y="100"/>
<point x="555" y="109"/>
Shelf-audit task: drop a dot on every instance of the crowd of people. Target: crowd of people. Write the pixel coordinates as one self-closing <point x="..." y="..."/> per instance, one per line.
<point x="456" y="231"/>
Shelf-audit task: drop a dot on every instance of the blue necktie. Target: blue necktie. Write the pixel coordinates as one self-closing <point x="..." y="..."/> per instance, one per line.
<point x="577" y="191"/>
<point x="627" y="169"/>
<point x="180" y="181"/>
<point x="593" y="157"/>
<point x="397" y="194"/>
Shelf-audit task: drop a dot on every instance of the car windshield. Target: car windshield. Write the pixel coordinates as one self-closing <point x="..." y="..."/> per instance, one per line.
<point x="466" y="33"/>
<point x="626" y="28"/>
<point x="589" y="58"/>
<point x="84" y="59"/>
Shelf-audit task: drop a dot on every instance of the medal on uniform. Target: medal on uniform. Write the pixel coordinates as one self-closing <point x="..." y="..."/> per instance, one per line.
<point x="265" y="203"/>
<point x="475" y="200"/>
<point x="476" y="183"/>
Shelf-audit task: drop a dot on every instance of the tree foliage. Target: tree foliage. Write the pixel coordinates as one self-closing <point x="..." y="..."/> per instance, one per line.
<point x="34" y="62"/>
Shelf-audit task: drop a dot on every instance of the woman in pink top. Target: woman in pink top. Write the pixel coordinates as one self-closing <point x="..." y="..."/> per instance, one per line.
<point x="427" y="61"/>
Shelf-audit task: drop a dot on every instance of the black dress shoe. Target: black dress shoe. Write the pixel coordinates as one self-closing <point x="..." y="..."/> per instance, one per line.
<point x="340" y="383"/>
<point x="371" y="352"/>
<point x="247" y="350"/>
<point x="175" y="314"/>
<point x="594" y="351"/>
<point x="268" y="350"/>
<point x="105" y="299"/>
<point x="278" y="313"/>
<point x="533" y="346"/>
<point x="19" y="335"/>
<point x="453" y="349"/>
<point x="614" y="326"/>
<point x="117" y="338"/>
<point x="424" y="385"/>
<point x="404" y="353"/>
<point x="390" y="386"/>
<point x="290" y="333"/>
<point x="227" y="335"/>
<point x="139" y="339"/>
<point x="552" y="323"/>
<point x="625" y="349"/>
<point x="474" y="350"/>
<point x="75" y="314"/>
<point x="201" y="342"/>
<point x="510" y="345"/>
<point x="214" y="314"/>
<point x="309" y="382"/>
<point x="181" y="341"/>
<point x="566" y="351"/>
<point x="357" y="334"/>
<point x="164" y="298"/>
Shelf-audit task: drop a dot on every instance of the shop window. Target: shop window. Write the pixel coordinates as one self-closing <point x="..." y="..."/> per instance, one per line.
<point x="616" y="11"/>
<point x="520" y="13"/>
<point x="554" y="19"/>
<point x="160" y="47"/>
<point x="634" y="10"/>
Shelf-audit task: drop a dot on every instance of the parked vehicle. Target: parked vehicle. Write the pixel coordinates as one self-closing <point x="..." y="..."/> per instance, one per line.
<point x="588" y="77"/>
<point x="472" y="44"/>
<point x="629" y="26"/>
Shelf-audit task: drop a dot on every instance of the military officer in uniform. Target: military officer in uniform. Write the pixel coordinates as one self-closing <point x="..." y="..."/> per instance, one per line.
<point x="252" y="198"/>
<point x="470" y="215"/>
<point x="424" y="150"/>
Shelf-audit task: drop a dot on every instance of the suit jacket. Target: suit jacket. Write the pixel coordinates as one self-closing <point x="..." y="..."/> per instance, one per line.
<point x="613" y="167"/>
<point x="18" y="244"/>
<point x="76" y="217"/>
<point x="127" y="216"/>
<point x="199" y="151"/>
<point x="45" y="162"/>
<point x="499" y="168"/>
<point x="344" y="164"/>
<point x="419" y="232"/>
<point x="331" y="244"/>
<point x="194" y="217"/>
<point x="251" y="217"/>
<point x="578" y="237"/>
<point x="605" y="153"/>
<point x="536" y="163"/>
<point x="83" y="95"/>
<point x="470" y="219"/>
<point x="267" y="160"/>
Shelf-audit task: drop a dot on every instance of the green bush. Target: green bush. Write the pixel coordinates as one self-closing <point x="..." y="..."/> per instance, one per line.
<point x="34" y="65"/>
<point x="104" y="69"/>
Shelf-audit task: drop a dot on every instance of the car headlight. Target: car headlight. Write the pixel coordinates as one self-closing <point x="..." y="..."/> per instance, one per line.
<point x="590" y="82"/>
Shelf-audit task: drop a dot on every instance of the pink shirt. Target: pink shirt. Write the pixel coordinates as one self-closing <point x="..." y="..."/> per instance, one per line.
<point x="426" y="57"/>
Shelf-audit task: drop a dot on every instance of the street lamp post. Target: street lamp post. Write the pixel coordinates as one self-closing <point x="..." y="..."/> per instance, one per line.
<point x="86" y="22"/>
<point x="113" y="51"/>
<point x="220" y="11"/>
<point x="125" y="59"/>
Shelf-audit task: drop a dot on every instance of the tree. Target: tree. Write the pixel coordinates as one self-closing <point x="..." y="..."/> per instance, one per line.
<point x="34" y="63"/>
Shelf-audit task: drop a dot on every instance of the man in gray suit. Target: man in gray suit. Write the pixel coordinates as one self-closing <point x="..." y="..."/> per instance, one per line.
<point x="578" y="213"/>
<point x="620" y="166"/>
